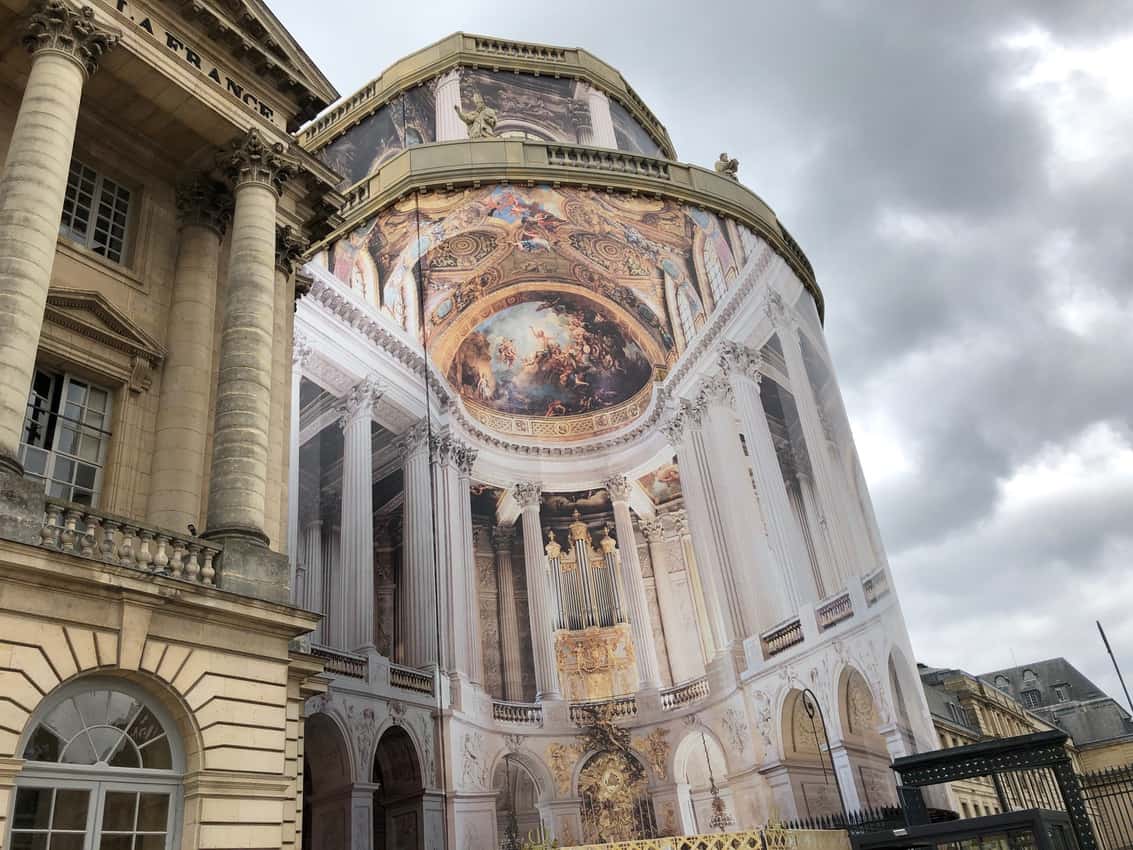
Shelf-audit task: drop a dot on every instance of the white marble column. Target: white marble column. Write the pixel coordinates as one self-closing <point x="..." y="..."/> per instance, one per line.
<point x="445" y="518"/>
<point x="66" y="47"/>
<point x="667" y="602"/>
<point x="602" y="125"/>
<point x="465" y="457"/>
<point x="633" y="584"/>
<point x="502" y="538"/>
<point x="540" y="602"/>
<point x="449" y="126"/>
<point x="312" y="557"/>
<point x="356" y="416"/>
<point x="741" y="365"/>
<point x="696" y="588"/>
<point x="257" y="169"/>
<point x="335" y="599"/>
<point x="300" y="353"/>
<point x="417" y="601"/>
<point x="832" y="508"/>
<point x="177" y="470"/>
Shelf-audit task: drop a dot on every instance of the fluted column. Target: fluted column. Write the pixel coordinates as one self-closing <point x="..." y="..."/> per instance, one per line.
<point x="238" y="480"/>
<point x="300" y="354"/>
<point x="464" y="457"/>
<point x="445" y="518"/>
<point x="357" y="536"/>
<point x="177" y="470"/>
<point x="502" y="538"/>
<point x="742" y="367"/>
<point x="416" y="610"/>
<point x="696" y="588"/>
<point x="539" y="600"/>
<point x="667" y="602"/>
<point x="633" y="583"/>
<point x="66" y="46"/>
<point x="335" y="600"/>
<point x="602" y="125"/>
<point x="449" y="126"/>
<point x="313" y="597"/>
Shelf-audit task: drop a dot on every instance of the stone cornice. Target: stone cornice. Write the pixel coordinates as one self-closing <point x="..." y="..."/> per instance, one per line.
<point x="464" y="50"/>
<point x="447" y="165"/>
<point x="58" y="26"/>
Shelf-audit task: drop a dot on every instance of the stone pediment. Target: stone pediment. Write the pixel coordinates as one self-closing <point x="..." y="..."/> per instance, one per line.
<point x="91" y="315"/>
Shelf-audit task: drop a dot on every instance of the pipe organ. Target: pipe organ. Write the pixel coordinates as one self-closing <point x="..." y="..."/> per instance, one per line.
<point x="593" y="644"/>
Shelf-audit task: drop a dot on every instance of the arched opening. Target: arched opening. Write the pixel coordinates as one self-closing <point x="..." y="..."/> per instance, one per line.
<point x="699" y="765"/>
<point x="517" y="800"/>
<point x="103" y="767"/>
<point x="811" y="774"/>
<point x="398" y="809"/>
<point x="865" y="746"/>
<point x="326" y="784"/>
<point x="615" y="799"/>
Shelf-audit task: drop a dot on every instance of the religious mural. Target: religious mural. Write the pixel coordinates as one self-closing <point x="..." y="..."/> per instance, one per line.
<point x="537" y="107"/>
<point x="662" y="484"/>
<point x="631" y="136"/>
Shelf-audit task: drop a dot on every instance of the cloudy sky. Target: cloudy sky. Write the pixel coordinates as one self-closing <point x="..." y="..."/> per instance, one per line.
<point x="961" y="176"/>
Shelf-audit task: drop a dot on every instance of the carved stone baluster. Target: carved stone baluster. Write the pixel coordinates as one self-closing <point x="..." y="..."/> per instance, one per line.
<point x="126" y="547"/>
<point x="109" y="548"/>
<point x="177" y="562"/>
<point x="67" y="537"/>
<point x="89" y="539"/>
<point x="161" y="555"/>
<point x="193" y="568"/>
<point x="144" y="555"/>
<point x="209" y="572"/>
<point x="48" y="534"/>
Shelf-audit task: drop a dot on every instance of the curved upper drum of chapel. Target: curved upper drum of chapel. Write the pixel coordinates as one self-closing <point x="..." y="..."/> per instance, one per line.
<point x="538" y="81"/>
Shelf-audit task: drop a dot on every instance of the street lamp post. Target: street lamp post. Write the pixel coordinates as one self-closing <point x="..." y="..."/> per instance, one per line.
<point x="811" y="706"/>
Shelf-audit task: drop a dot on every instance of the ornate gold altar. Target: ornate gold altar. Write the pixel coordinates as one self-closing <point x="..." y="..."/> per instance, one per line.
<point x="596" y="663"/>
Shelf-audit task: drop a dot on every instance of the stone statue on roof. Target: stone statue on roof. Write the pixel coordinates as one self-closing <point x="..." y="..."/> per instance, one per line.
<point x="481" y="120"/>
<point x="729" y="167"/>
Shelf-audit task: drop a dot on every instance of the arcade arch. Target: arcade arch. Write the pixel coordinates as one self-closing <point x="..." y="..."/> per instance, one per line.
<point x="398" y="811"/>
<point x="864" y="745"/>
<point x="327" y="776"/>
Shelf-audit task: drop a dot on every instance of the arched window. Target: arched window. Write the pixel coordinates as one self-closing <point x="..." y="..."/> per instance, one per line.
<point x="102" y="769"/>
<point x="715" y="273"/>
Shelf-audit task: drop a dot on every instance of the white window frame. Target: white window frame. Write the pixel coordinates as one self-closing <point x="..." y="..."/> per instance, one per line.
<point x="104" y="434"/>
<point x="104" y="189"/>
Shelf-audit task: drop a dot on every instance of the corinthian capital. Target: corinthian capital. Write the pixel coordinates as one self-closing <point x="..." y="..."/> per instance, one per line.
<point x="653" y="529"/>
<point x="464" y="457"/>
<point x="618" y="488"/>
<point x="289" y="247"/>
<point x="777" y="310"/>
<point x="528" y="493"/>
<point x="58" y="26"/>
<point x="502" y="537"/>
<point x="204" y="202"/>
<point x="717" y="390"/>
<point x="300" y="350"/>
<point x="736" y="359"/>
<point x="253" y="159"/>
<point x="360" y="402"/>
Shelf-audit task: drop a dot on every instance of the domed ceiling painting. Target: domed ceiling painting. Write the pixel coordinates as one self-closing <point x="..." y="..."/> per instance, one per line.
<point x="541" y="303"/>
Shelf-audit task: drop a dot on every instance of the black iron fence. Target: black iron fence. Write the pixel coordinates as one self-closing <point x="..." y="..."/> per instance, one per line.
<point x="879" y="819"/>
<point x="1109" y="802"/>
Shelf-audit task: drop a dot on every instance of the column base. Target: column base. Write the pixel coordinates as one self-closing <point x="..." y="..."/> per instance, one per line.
<point x="249" y="568"/>
<point x="224" y="533"/>
<point x="22" y="503"/>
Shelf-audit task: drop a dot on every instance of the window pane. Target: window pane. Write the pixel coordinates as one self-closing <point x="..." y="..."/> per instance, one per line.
<point x="64" y="720"/>
<point x="79" y="751"/>
<point x="150" y="842"/>
<point x="120" y="709"/>
<point x="126" y="755"/>
<point x="93" y="706"/>
<point x="66" y="440"/>
<point x="35" y="462"/>
<point x="118" y="811"/>
<point x="156" y="756"/>
<point x="33" y="808"/>
<point x="70" y="810"/>
<point x="29" y="841"/>
<point x="67" y="840"/>
<point x="43" y="746"/>
<point x="153" y="812"/>
<point x="64" y="470"/>
<point x="88" y="450"/>
<point x="145" y="727"/>
<point x="105" y="741"/>
<point x="115" y="842"/>
<point x="76" y="391"/>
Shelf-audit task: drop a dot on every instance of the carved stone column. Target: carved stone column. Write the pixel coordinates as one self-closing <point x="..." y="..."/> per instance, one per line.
<point x="464" y="457"/>
<point x="257" y="169"/>
<point x="416" y="609"/>
<point x="667" y="602"/>
<point x="288" y="248"/>
<point x="797" y="586"/>
<point x="449" y="126"/>
<point x="387" y="540"/>
<point x="602" y="125"/>
<point x="539" y="600"/>
<point x="313" y="591"/>
<point x="502" y="537"/>
<point x="696" y="588"/>
<point x="300" y="354"/>
<point x="357" y="546"/>
<point x="66" y="46"/>
<point x="445" y="519"/>
<point x="633" y="583"/>
<point x="177" y="470"/>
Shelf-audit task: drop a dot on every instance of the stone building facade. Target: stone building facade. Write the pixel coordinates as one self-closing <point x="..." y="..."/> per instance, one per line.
<point x="152" y="206"/>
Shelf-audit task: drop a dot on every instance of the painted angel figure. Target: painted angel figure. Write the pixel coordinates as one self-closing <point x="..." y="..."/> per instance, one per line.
<point x="729" y="167"/>
<point x="481" y="120"/>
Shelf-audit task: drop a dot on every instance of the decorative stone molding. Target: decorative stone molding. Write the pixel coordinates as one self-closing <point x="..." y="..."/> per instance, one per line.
<point x="415" y="438"/>
<point x="680" y="522"/>
<point x="253" y="159"/>
<point x="653" y="529"/>
<point x="736" y="359"/>
<point x="204" y="203"/>
<point x="717" y="391"/>
<point x="303" y="284"/>
<point x="618" y="488"/>
<point x="57" y="26"/>
<point x="528" y="493"/>
<point x="361" y="401"/>
<point x="441" y="447"/>
<point x="300" y="350"/>
<point x="464" y="456"/>
<point x="777" y="311"/>
<point x="289" y="248"/>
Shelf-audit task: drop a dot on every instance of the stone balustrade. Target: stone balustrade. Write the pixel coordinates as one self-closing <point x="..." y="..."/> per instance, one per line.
<point x="875" y="585"/>
<point x="834" y="610"/>
<point x="684" y="693"/>
<point x="341" y="663"/>
<point x="519" y="49"/>
<point x="619" y="162"/>
<point x="82" y="531"/>
<point x="620" y="708"/>
<point x="782" y="637"/>
<point x="523" y="713"/>
<point x="410" y="679"/>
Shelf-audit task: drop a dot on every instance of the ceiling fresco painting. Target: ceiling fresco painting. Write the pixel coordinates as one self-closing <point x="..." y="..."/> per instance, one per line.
<point x="662" y="484"/>
<point x="543" y="302"/>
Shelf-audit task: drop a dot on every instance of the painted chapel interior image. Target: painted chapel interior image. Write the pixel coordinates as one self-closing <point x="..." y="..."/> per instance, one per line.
<point x="572" y="482"/>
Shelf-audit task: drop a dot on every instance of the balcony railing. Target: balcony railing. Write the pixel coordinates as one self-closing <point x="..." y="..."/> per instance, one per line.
<point x="523" y="713"/>
<point x="79" y="530"/>
<point x="603" y="159"/>
<point x="410" y="679"/>
<point x="620" y="708"/>
<point x="782" y="637"/>
<point x="342" y="663"/>
<point x="875" y="585"/>
<point x="833" y="611"/>
<point x="684" y="693"/>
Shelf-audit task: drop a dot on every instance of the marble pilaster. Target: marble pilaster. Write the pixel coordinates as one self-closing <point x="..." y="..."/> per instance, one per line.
<point x="601" y="123"/>
<point x="312" y="557"/>
<point x="540" y="601"/>
<point x="416" y="621"/>
<point x="357" y="536"/>
<point x="502" y="537"/>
